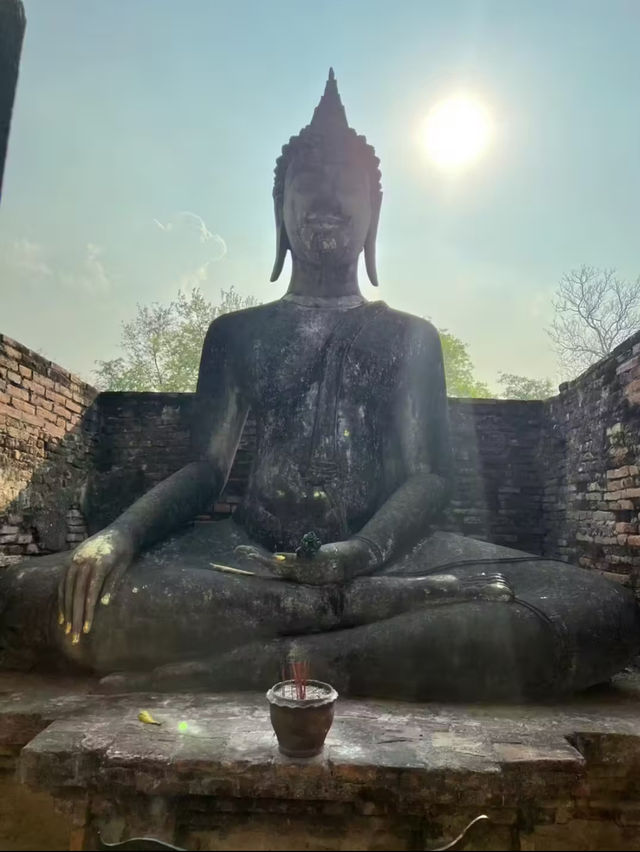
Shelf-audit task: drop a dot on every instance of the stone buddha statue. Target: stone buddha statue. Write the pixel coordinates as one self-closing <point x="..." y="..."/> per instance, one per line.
<point x="335" y="551"/>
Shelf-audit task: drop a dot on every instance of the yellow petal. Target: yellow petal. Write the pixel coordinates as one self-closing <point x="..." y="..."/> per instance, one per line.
<point x="280" y="557"/>
<point x="147" y="718"/>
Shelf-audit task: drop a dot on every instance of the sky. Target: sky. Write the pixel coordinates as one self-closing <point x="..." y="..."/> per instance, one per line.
<point x="145" y="133"/>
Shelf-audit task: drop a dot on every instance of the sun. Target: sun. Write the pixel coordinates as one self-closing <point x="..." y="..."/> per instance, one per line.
<point x="457" y="132"/>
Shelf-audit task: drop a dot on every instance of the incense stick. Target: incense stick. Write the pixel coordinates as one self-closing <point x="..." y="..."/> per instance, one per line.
<point x="226" y="569"/>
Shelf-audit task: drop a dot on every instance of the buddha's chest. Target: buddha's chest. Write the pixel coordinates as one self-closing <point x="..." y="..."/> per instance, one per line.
<point x="307" y="364"/>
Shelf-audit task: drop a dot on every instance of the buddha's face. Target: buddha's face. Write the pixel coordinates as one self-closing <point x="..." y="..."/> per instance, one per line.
<point x="327" y="209"/>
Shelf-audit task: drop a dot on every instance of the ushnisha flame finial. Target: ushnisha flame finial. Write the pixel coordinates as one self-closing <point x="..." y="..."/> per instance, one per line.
<point x="329" y="117"/>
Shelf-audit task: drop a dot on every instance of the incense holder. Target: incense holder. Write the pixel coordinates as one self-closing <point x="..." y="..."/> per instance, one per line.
<point x="301" y="724"/>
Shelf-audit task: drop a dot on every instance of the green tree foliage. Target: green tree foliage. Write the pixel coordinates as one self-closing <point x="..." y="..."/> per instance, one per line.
<point x="521" y="387"/>
<point x="458" y="368"/>
<point x="162" y="344"/>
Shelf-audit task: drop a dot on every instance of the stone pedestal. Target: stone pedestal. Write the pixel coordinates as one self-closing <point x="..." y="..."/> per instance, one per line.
<point x="392" y="776"/>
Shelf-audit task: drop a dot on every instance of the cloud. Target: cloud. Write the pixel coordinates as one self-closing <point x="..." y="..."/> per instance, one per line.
<point x="36" y="265"/>
<point x="92" y="277"/>
<point x="195" y="278"/>
<point x="28" y="259"/>
<point x="187" y="223"/>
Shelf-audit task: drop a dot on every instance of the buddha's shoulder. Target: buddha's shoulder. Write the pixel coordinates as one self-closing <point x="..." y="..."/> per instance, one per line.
<point x="234" y="323"/>
<point x="404" y="326"/>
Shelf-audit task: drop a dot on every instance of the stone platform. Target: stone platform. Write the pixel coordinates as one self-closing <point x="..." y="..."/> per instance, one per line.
<point x="392" y="776"/>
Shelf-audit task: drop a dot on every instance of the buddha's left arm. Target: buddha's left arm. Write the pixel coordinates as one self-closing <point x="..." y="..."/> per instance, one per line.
<point x="421" y="424"/>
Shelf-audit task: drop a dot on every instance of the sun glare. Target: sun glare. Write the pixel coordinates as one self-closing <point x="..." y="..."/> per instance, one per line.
<point x="457" y="132"/>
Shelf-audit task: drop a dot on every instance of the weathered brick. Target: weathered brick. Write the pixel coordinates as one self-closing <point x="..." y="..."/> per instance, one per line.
<point x="21" y="405"/>
<point x="9" y="363"/>
<point x="63" y="390"/>
<point x="54" y="431"/>
<point x="20" y="393"/>
<point x="46" y="414"/>
<point x="14" y="350"/>
<point x="72" y="406"/>
<point x="55" y="397"/>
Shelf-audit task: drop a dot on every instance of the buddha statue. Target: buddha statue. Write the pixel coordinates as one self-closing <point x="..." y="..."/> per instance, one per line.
<point x="336" y="552"/>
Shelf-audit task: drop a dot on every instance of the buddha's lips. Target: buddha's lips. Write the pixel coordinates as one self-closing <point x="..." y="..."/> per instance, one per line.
<point x="325" y="222"/>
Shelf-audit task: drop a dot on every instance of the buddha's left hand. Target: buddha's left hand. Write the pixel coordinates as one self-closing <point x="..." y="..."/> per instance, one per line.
<point x="336" y="562"/>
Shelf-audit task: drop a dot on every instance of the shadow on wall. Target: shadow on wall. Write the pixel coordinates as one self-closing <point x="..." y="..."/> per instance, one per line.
<point x="498" y="479"/>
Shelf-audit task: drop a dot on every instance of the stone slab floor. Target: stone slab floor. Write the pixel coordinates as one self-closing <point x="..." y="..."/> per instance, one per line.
<point x="75" y="766"/>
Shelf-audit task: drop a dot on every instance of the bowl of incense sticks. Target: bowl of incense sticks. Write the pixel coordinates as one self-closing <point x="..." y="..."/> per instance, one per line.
<point x="301" y="711"/>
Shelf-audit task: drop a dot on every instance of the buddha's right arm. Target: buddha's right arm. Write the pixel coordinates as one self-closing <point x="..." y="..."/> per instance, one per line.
<point x="219" y="416"/>
<point x="170" y="504"/>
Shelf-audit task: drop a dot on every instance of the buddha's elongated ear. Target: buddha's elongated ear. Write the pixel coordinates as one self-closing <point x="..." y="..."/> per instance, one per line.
<point x="282" y="242"/>
<point x="370" y="244"/>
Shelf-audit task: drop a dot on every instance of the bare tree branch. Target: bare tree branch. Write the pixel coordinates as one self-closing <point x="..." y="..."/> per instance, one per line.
<point x="594" y="312"/>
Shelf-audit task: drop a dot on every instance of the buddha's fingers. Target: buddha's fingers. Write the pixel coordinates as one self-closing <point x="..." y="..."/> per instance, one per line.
<point x="91" y="598"/>
<point x="61" y="584"/>
<point x="255" y="554"/>
<point x="79" y="595"/>
<point x="111" y="583"/>
<point x="288" y="565"/>
<point x="69" y="586"/>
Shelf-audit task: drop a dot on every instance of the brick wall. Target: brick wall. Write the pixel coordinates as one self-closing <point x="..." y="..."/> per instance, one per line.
<point x="498" y="481"/>
<point x="143" y="438"/>
<point x="46" y="440"/>
<point x="591" y="458"/>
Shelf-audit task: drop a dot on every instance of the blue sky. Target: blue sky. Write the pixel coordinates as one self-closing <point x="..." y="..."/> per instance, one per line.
<point x="130" y="113"/>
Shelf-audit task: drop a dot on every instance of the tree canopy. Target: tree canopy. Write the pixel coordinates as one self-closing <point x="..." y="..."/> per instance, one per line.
<point x="162" y="344"/>
<point x="458" y="368"/>
<point x="522" y="387"/>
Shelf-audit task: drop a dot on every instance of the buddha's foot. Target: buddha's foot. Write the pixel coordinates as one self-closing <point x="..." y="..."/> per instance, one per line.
<point x="491" y="587"/>
<point x="446" y="588"/>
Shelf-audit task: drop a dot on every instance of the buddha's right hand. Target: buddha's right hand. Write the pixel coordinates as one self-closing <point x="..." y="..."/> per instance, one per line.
<point x="95" y="568"/>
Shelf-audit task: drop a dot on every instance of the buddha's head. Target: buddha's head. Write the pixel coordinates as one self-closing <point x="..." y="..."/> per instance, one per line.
<point x="327" y="192"/>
